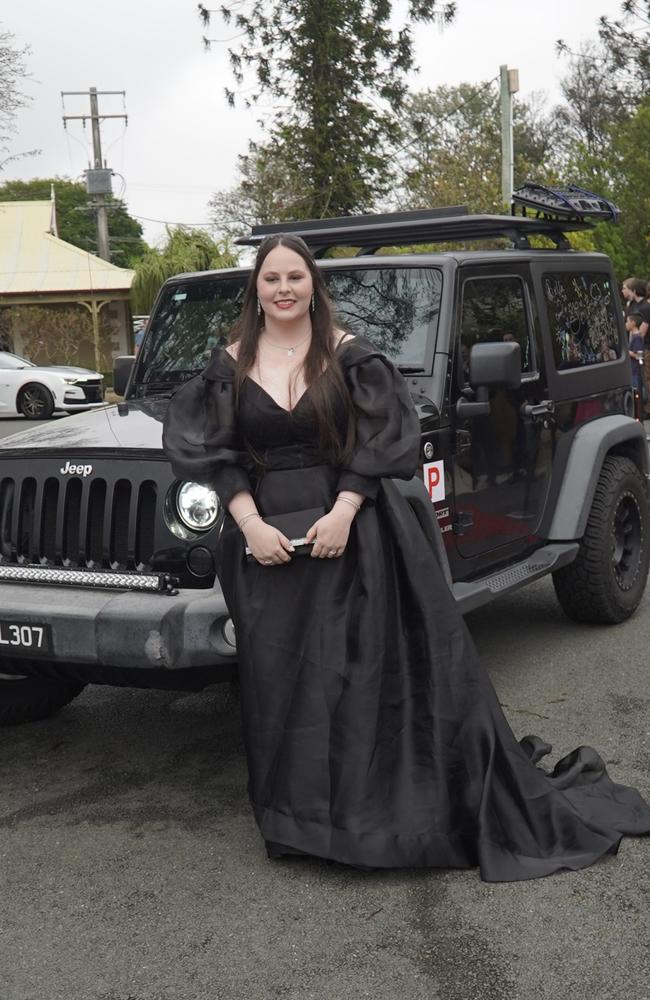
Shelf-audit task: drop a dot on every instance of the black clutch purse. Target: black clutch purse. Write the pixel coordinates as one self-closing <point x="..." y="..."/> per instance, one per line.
<point x="294" y="526"/>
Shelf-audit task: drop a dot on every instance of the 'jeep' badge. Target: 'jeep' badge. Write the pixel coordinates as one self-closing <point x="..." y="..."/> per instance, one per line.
<point x="76" y="470"/>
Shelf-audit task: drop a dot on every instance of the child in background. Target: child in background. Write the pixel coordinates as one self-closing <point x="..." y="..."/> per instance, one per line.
<point x="633" y="323"/>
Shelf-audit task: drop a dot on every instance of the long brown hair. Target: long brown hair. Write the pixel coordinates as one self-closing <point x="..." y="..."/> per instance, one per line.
<point x="321" y="367"/>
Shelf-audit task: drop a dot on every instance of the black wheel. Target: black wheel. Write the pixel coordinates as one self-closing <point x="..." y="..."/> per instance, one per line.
<point x="26" y="699"/>
<point x="35" y="401"/>
<point x="606" y="581"/>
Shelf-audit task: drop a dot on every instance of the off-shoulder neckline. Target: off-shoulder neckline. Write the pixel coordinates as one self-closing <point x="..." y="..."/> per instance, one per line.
<point x="342" y="342"/>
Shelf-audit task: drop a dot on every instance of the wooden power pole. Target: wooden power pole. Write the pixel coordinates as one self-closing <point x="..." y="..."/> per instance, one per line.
<point x="98" y="177"/>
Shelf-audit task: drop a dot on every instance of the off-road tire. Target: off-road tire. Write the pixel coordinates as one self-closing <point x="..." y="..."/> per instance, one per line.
<point x="35" y="401"/>
<point x="27" y="699"/>
<point x="605" y="583"/>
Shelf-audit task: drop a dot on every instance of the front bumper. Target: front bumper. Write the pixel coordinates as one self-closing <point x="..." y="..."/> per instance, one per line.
<point x="77" y="405"/>
<point x="145" y="631"/>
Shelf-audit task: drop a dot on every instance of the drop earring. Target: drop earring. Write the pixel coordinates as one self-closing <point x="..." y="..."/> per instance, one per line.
<point x="313" y="302"/>
<point x="259" y="308"/>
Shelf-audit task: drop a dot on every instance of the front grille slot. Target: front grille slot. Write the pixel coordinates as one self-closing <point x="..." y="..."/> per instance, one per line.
<point x="94" y="522"/>
<point x="146" y="521"/>
<point x="70" y="519"/>
<point x="119" y="525"/>
<point x="7" y="490"/>
<point x="49" y="506"/>
<point x="78" y="522"/>
<point x="24" y="515"/>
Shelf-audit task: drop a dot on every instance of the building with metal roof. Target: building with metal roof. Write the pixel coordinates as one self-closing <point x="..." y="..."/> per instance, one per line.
<point x="58" y="303"/>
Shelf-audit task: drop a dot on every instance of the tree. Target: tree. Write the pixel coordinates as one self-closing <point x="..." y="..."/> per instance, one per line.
<point x="267" y="192"/>
<point x="451" y="152"/>
<point x="186" y="250"/>
<point x="605" y="119"/>
<point x="76" y="219"/>
<point x="12" y="72"/>
<point x="628" y="243"/>
<point x="339" y="69"/>
<point x="626" y="43"/>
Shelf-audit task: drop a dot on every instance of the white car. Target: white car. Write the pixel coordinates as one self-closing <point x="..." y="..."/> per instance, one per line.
<point x="38" y="391"/>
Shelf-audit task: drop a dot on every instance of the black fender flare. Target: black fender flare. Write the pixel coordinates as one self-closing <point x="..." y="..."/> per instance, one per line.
<point x="615" y="434"/>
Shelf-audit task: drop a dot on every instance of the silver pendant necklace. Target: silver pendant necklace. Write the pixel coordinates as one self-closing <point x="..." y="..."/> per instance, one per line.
<point x="290" y="351"/>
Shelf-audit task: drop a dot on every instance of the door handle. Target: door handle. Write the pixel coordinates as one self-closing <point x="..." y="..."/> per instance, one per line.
<point x="536" y="411"/>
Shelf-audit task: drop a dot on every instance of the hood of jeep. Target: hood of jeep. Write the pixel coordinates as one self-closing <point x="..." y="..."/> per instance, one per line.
<point x="136" y="425"/>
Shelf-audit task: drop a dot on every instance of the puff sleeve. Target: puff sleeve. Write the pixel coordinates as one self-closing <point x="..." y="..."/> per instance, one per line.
<point x="387" y="427"/>
<point x="200" y="434"/>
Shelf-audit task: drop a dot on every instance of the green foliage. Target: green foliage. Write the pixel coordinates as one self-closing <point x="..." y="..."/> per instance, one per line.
<point x="628" y="244"/>
<point x="626" y="44"/>
<point x="76" y="219"/>
<point x="339" y="69"/>
<point x="186" y="250"/>
<point x="58" y="334"/>
<point x="268" y="191"/>
<point x="451" y="151"/>
<point x="605" y="121"/>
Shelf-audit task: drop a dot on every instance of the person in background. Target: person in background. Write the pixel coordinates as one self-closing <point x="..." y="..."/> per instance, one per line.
<point x="634" y="292"/>
<point x="636" y="348"/>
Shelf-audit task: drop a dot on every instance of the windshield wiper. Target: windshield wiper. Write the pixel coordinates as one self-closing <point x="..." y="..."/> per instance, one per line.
<point x="174" y="377"/>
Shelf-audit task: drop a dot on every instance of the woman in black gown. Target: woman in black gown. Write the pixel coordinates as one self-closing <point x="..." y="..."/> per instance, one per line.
<point x="372" y="733"/>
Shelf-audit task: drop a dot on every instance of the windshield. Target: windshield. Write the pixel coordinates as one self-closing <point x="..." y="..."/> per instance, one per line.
<point x="395" y="307"/>
<point x="11" y="362"/>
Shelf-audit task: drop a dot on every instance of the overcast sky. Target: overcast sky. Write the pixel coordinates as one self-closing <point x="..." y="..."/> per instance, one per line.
<point x="182" y="140"/>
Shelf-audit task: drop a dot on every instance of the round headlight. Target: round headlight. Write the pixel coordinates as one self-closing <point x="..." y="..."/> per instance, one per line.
<point x="197" y="506"/>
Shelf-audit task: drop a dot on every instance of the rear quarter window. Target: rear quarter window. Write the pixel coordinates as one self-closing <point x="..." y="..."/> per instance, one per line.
<point x="582" y="311"/>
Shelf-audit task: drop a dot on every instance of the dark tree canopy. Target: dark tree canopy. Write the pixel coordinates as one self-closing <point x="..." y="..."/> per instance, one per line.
<point x="76" y="220"/>
<point x="337" y="72"/>
<point x="626" y="42"/>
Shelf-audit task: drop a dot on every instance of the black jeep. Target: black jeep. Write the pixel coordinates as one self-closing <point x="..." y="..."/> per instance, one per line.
<point x="517" y="362"/>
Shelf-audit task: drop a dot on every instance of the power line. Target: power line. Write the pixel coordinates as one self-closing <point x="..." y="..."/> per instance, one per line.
<point x="167" y="222"/>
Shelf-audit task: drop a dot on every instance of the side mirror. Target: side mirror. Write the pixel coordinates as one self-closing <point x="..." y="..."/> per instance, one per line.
<point x="493" y="366"/>
<point x="122" y="368"/>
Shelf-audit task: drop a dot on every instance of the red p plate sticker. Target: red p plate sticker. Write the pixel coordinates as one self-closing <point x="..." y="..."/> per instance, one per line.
<point x="434" y="480"/>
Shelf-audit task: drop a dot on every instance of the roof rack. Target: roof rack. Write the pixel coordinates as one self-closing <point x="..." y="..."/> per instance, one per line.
<point x="570" y="202"/>
<point x="439" y="225"/>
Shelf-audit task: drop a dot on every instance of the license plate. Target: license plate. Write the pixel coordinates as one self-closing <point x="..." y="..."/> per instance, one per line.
<point x="24" y="639"/>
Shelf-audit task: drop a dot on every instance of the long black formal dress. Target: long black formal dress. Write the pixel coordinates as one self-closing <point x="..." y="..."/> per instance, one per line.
<point x="372" y="732"/>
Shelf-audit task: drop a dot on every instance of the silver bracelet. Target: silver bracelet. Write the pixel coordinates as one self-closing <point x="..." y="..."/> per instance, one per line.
<point x="357" y="506"/>
<point x="246" y="518"/>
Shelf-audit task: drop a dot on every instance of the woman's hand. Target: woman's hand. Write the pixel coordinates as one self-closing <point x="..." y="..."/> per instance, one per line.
<point x="268" y="545"/>
<point x="330" y="533"/>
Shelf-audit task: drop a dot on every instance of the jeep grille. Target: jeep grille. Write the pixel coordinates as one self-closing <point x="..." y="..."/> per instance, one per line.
<point x="90" y="523"/>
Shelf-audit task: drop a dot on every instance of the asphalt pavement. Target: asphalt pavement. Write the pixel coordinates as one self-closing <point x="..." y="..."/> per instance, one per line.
<point x="131" y="868"/>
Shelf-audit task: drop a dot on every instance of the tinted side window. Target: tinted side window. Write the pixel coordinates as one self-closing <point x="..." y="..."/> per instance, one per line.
<point x="494" y="309"/>
<point x="582" y="318"/>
